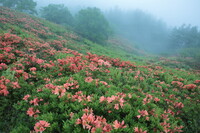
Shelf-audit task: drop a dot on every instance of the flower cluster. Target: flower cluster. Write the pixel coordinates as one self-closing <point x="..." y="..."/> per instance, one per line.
<point x="116" y="101"/>
<point x="41" y="126"/>
<point x="92" y="122"/>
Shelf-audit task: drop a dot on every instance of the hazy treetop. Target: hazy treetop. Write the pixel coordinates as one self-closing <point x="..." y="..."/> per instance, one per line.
<point x="174" y="12"/>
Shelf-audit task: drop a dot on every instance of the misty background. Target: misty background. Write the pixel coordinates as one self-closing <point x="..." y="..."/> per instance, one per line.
<point x="173" y="12"/>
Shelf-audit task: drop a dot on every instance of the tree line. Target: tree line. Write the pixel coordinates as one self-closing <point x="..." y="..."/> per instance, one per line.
<point x="89" y="22"/>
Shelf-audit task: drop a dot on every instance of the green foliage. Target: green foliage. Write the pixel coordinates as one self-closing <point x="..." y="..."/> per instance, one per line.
<point x="41" y="79"/>
<point x="186" y="36"/>
<point x="92" y="24"/>
<point x="27" y="6"/>
<point x="58" y="14"/>
<point x="193" y="52"/>
<point x="20" y="128"/>
<point x="185" y="41"/>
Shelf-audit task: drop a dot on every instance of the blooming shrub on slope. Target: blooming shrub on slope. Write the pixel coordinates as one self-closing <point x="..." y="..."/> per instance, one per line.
<point x="47" y="87"/>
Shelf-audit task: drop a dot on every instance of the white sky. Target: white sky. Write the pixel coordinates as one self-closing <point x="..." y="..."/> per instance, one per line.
<point x="173" y="12"/>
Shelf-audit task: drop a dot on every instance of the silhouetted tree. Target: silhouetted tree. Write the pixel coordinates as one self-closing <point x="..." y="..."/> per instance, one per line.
<point x="27" y="6"/>
<point x="92" y="24"/>
<point x="185" y="40"/>
<point x="57" y="13"/>
<point x="185" y="37"/>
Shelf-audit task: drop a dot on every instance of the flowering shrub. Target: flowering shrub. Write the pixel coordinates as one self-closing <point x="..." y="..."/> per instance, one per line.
<point x="47" y="87"/>
<point x="40" y="126"/>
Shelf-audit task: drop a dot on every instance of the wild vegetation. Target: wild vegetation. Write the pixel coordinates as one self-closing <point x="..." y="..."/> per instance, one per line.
<point x="53" y="80"/>
<point x="27" y="6"/>
<point x="58" y="14"/>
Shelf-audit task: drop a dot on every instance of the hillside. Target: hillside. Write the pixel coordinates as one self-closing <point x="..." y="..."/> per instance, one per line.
<point x="52" y="80"/>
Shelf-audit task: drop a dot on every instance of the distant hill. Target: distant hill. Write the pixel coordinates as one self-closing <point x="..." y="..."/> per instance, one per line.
<point x="53" y="80"/>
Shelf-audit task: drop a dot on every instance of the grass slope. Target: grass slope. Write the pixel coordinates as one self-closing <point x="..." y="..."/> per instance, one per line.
<point x="52" y="80"/>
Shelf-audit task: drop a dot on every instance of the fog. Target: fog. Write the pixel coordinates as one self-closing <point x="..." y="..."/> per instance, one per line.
<point x="173" y="12"/>
<point x="164" y="27"/>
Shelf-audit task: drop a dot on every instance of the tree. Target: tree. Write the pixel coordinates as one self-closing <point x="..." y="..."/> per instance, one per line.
<point x="57" y="13"/>
<point x="27" y="6"/>
<point x="185" y="41"/>
<point x="92" y="24"/>
<point x="185" y="37"/>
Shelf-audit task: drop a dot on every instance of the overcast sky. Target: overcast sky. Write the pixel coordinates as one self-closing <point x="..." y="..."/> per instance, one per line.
<point x="173" y="12"/>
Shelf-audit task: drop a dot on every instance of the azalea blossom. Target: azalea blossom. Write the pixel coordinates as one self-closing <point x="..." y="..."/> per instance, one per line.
<point x="41" y="126"/>
<point x="4" y="91"/>
<point x="117" y="124"/>
<point x="88" y="79"/>
<point x="179" y="105"/>
<point x="35" y="101"/>
<point x="116" y="106"/>
<point x="139" y="130"/>
<point x="143" y="112"/>
<point x="189" y="86"/>
<point x="26" y="97"/>
<point x="197" y="81"/>
<point x="15" y="85"/>
<point x="103" y="82"/>
<point x="102" y="98"/>
<point x="33" y="69"/>
<point x="32" y="112"/>
<point x="156" y="99"/>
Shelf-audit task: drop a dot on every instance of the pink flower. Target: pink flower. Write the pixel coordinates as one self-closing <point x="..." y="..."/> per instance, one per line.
<point x="137" y="130"/>
<point x="178" y="83"/>
<point x="143" y="112"/>
<point x="89" y="98"/>
<point x="197" y="81"/>
<point x="117" y="124"/>
<point x="107" y="128"/>
<point x="78" y="121"/>
<point x="15" y="85"/>
<point x="35" y="101"/>
<point x="190" y="86"/>
<point x="102" y="98"/>
<point x="103" y="82"/>
<point x="31" y="111"/>
<point x="107" y="64"/>
<point x="109" y="99"/>
<point x="138" y="116"/>
<point x="71" y="115"/>
<point x="116" y="106"/>
<point x="100" y="62"/>
<point x="3" y="66"/>
<point x="88" y="79"/>
<point x="3" y="90"/>
<point x="40" y="126"/>
<point x="156" y="99"/>
<point x="19" y="71"/>
<point x="33" y="69"/>
<point x="39" y="61"/>
<point x="26" y="97"/>
<point x="129" y="95"/>
<point x="59" y="91"/>
<point x="179" y="105"/>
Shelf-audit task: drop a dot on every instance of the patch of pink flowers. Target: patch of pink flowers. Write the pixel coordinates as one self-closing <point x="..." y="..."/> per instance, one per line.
<point x="41" y="126"/>
<point x="117" y="101"/>
<point x="92" y="122"/>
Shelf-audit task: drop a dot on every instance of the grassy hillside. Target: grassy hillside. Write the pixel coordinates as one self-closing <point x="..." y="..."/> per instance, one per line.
<point x="52" y="80"/>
